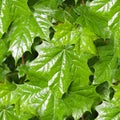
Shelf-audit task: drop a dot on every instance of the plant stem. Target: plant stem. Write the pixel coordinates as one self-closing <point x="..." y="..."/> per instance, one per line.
<point x="83" y="2"/>
<point x="82" y="117"/>
<point x="23" y="61"/>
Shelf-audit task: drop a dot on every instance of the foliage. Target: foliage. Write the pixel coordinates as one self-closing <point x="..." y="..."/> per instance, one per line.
<point x="59" y="60"/>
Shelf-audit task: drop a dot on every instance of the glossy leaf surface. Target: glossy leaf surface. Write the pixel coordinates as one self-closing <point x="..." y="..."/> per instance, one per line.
<point x="59" y="59"/>
<point x="110" y="110"/>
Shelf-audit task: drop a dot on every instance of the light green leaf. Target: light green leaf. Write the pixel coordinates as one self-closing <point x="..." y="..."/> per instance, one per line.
<point x="36" y="101"/>
<point x="53" y="66"/>
<point x="56" y="67"/>
<point x="86" y="42"/>
<point x="110" y="10"/>
<point x="5" y="88"/>
<point x="110" y="110"/>
<point x="102" y="6"/>
<point x="19" y="8"/>
<point x="66" y="36"/>
<point x="114" y="16"/>
<point x="43" y="16"/>
<point x="83" y="38"/>
<point x="22" y="32"/>
<point x="22" y="96"/>
<point x="8" y="113"/>
<point x="22" y="35"/>
<point x="116" y="37"/>
<point x="5" y="16"/>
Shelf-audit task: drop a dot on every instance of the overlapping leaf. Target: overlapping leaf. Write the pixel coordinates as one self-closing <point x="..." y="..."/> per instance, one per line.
<point x="110" y="110"/>
<point x="89" y="19"/>
<point x="26" y="99"/>
<point x="105" y="66"/>
<point x="83" y="38"/>
<point x="68" y="35"/>
<point x="34" y="100"/>
<point x="58" y="78"/>
<point x="22" y="35"/>
<point x="22" y="32"/>
<point x="85" y="98"/>
<point x="110" y="10"/>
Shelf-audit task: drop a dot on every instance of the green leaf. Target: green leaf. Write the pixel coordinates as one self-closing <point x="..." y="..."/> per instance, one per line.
<point x="15" y="102"/>
<point x="19" y="8"/>
<point x="22" y="35"/>
<point x="108" y="9"/>
<point x="104" y="91"/>
<point x="66" y="36"/>
<point x="80" y="100"/>
<point x="114" y="16"/>
<point x="82" y="38"/>
<point x="22" y="32"/>
<point x="86" y="42"/>
<point x="67" y="55"/>
<point x="4" y="49"/>
<point x="5" y="16"/>
<point x="7" y="113"/>
<point x="5" y="88"/>
<point x="106" y="65"/>
<point x="102" y="6"/>
<point x="51" y="3"/>
<point x="43" y="16"/>
<point x="34" y="100"/>
<point x="22" y="97"/>
<point x="59" y="15"/>
<point x="110" y="109"/>
<point x="116" y="37"/>
<point x="80" y="70"/>
<point x="53" y="66"/>
<point x="90" y="20"/>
